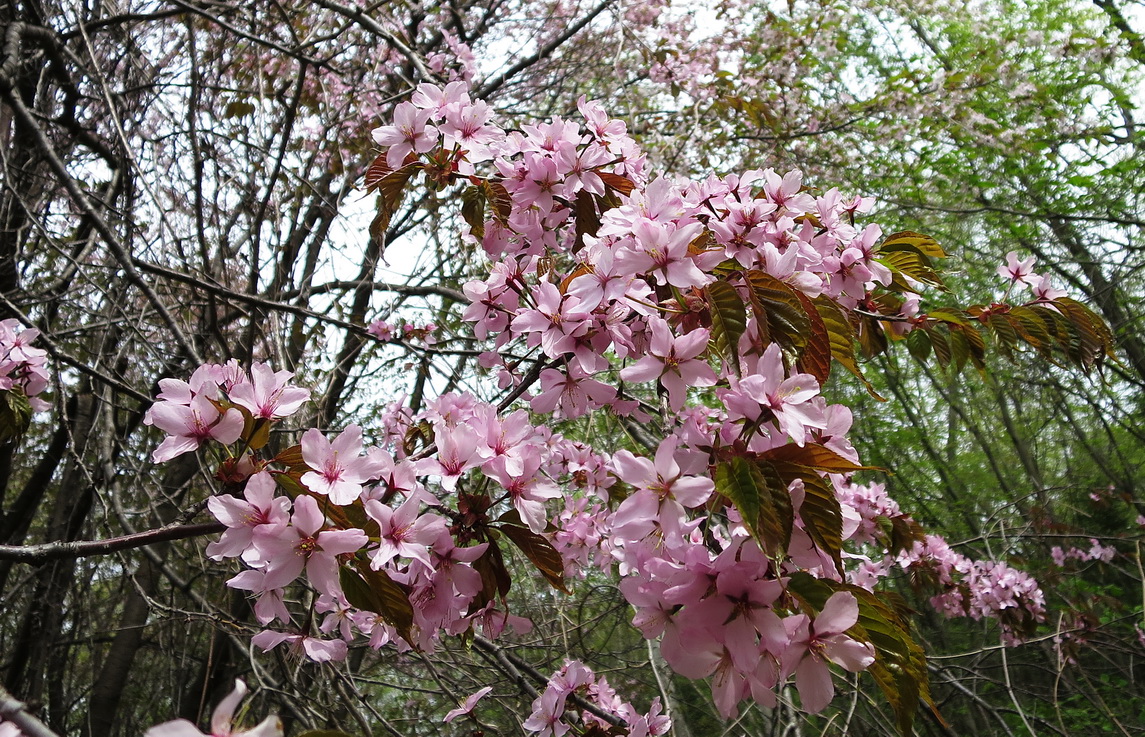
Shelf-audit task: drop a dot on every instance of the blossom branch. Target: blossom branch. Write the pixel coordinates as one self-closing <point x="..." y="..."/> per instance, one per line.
<point x="87" y="548"/>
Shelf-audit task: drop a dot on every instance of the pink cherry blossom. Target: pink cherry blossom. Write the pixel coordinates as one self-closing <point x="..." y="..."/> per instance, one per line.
<point x="190" y="424"/>
<point x="339" y="467"/>
<point x="305" y="545"/>
<point x="268" y="395"/>
<point x="815" y="642"/>
<point x="1017" y="271"/>
<point x="221" y="722"/>
<point x="673" y="361"/>
<point x="468" y="706"/>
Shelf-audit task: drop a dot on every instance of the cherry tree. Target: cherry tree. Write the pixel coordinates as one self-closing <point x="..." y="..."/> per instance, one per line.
<point x="647" y="406"/>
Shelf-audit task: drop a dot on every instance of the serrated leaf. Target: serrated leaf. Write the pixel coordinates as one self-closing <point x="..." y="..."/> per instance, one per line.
<point x="842" y="337"/>
<point x="473" y="210"/>
<point x="823" y="518"/>
<point x="15" y="415"/>
<point x="621" y="184"/>
<point x="376" y="592"/>
<point x="1005" y="335"/>
<point x="292" y="458"/>
<point x="976" y="345"/>
<point x="813" y="455"/>
<point x="959" y="349"/>
<point x="1097" y="338"/>
<point x="922" y="243"/>
<point x="871" y="336"/>
<point x="918" y="343"/>
<point x="912" y="263"/>
<point x="776" y="305"/>
<point x="376" y="172"/>
<point x="949" y="314"/>
<point x="729" y="320"/>
<point x="762" y="500"/>
<point x="1031" y="329"/>
<point x="540" y="553"/>
<point x="499" y="197"/>
<point x="816" y="356"/>
<point x="391" y="188"/>
<point x="941" y="345"/>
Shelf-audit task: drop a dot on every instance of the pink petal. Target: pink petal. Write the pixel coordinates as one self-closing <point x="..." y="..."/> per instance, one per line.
<point x="839" y="614"/>
<point x="813" y="680"/>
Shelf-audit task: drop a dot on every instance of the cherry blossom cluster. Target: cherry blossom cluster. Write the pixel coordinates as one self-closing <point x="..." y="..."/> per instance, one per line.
<point x="428" y="517"/>
<point x="1096" y="551"/>
<point x="966" y="587"/>
<point x="978" y="589"/>
<point x="22" y="367"/>
<point x="610" y="280"/>
<point x="217" y="403"/>
<point x="553" y="715"/>
<point x="1022" y="272"/>
<point x="385" y="332"/>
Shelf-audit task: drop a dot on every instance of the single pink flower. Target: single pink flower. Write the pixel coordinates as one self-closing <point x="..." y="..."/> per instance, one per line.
<point x="339" y="467"/>
<point x="814" y="643"/>
<point x="190" y="424"/>
<point x="221" y="725"/>
<point x="268" y="395"/>
<point x="673" y="361"/>
<point x="467" y="707"/>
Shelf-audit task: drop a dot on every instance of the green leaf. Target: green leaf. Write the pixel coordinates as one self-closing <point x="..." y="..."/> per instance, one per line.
<point x="914" y="264"/>
<point x="540" y="553"/>
<point x="816" y="356"/>
<point x="762" y="499"/>
<point x="473" y="210"/>
<point x="941" y="345"/>
<point x="949" y="314"/>
<point x="777" y="307"/>
<point x="15" y="415"/>
<point x="729" y="320"/>
<point x="923" y="244"/>
<point x="918" y="343"/>
<point x="376" y="592"/>
<point x="390" y="188"/>
<point x="1005" y="335"/>
<point x="1096" y="337"/>
<point x="842" y="337"/>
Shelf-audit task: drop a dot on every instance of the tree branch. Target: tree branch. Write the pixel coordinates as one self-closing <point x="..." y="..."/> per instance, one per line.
<point x="16" y="711"/>
<point x="87" y="548"/>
